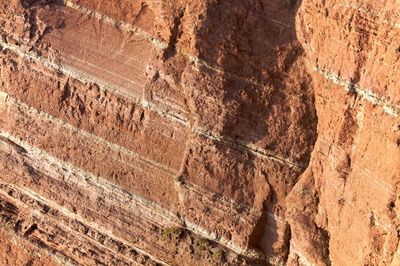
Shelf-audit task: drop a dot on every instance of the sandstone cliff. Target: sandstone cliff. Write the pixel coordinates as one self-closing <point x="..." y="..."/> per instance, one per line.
<point x="207" y="132"/>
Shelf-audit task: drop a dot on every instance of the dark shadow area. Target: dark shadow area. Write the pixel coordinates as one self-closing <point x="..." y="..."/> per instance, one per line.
<point x="267" y="91"/>
<point x="266" y="88"/>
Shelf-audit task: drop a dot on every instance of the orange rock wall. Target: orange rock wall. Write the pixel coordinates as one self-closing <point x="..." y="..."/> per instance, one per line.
<point x="200" y="132"/>
<point x="344" y="210"/>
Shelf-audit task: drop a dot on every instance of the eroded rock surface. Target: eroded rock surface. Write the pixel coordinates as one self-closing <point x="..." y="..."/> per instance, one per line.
<point x="344" y="210"/>
<point x="199" y="132"/>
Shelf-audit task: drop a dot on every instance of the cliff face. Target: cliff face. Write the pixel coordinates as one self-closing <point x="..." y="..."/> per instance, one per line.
<point x="199" y="132"/>
<point x="345" y="208"/>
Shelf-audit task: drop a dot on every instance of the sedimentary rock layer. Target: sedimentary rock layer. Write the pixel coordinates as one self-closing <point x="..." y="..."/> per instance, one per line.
<point x="351" y="187"/>
<point x="199" y="132"/>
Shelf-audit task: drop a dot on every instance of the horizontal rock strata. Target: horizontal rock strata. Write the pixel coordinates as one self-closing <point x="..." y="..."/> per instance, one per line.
<point x="199" y="132"/>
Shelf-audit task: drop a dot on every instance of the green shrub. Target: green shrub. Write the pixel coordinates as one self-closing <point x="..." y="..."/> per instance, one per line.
<point x="172" y="233"/>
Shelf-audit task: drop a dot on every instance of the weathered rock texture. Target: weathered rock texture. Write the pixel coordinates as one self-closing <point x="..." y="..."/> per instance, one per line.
<point x="345" y="208"/>
<point x="199" y="132"/>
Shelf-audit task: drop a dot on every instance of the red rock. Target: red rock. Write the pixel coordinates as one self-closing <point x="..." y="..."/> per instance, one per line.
<point x="199" y="132"/>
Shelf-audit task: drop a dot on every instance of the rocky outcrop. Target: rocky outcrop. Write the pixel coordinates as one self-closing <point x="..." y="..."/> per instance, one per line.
<point x="199" y="132"/>
<point x="344" y="210"/>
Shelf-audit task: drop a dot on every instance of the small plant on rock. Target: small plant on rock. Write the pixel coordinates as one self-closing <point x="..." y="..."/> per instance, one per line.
<point x="201" y="245"/>
<point x="218" y="254"/>
<point x="172" y="233"/>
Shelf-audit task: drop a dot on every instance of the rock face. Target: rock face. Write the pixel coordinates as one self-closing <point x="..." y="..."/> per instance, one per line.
<point x="345" y="208"/>
<point x="199" y="132"/>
